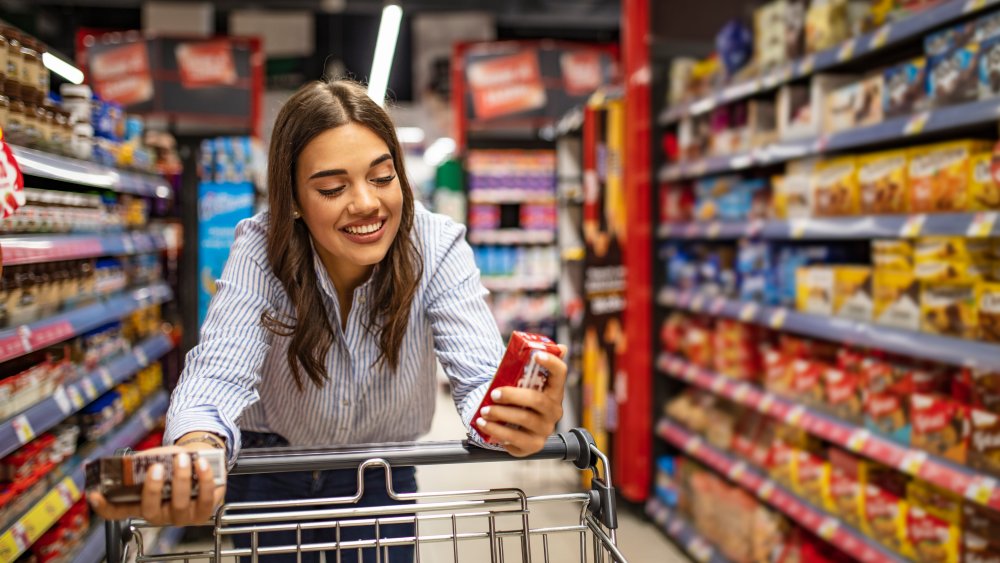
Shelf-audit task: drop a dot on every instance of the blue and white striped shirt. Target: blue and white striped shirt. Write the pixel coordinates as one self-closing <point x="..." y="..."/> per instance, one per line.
<point x="238" y="376"/>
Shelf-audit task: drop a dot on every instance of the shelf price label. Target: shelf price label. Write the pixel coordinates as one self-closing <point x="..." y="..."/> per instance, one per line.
<point x="741" y="393"/>
<point x="89" y="389"/>
<point x="858" y="439"/>
<point x="106" y="378"/>
<point x="697" y="303"/>
<point x="982" y="224"/>
<point x="765" y="404"/>
<point x="699" y="550"/>
<point x="798" y="228"/>
<point x="75" y="397"/>
<point x="714" y="229"/>
<point x="692" y="445"/>
<point x="718" y="384"/>
<point x="913" y="225"/>
<point x="912" y="462"/>
<point x="881" y="36"/>
<point x="794" y="416"/>
<point x="766" y="490"/>
<point x="748" y="312"/>
<point x="916" y="123"/>
<point x="846" y="51"/>
<point x="62" y="399"/>
<point x="807" y="65"/>
<point x="828" y="528"/>
<point x="718" y="304"/>
<point x="23" y="430"/>
<point x="973" y="5"/>
<point x="981" y="489"/>
<point x="141" y="358"/>
<point x="675" y="528"/>
<point x="777" y="320"/>
<point x="736" y="471"/>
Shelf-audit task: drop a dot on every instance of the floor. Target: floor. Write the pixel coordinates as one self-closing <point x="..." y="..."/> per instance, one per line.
<point x="640" y="541"/>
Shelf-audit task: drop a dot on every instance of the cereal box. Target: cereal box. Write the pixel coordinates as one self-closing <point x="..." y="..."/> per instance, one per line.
<point x="977" y="549"/>
<point x="985" y="388"/>
<point x="883" y="505"/>
<point x="807" y="381"/>
<point x="942" y="41"/>
<point x="989" y="68"/>
<point x="842" y="490"/>
<point x="940" y="175"/>
<point x="886" y="389"/>
<point x="953" y="77"/>
<point x="989" y="312"/>
<point x="843" y="394"/>
<point x="892" y="255"/>
<point x="852" y="294"/>
<point x="896" y="296"/>
<point x="930" y="538"/>
<point x="815" y="288"/>
<point x="950" y="309"/>
<point x="855" y="105"/>
<point x="940" y="503"/>
<point x="984" y="192"/>
<point x="884" y="182"/>
<point x="836" y="191"/>
<point x="777" y="372"/>
<point x="981" y="521"/>
<point x="940" y="426"/>
<point x="809" y="472"/>
<point x="905" y="88"/>
<point x="793" y="192"/>
<point x="984" y="442"/>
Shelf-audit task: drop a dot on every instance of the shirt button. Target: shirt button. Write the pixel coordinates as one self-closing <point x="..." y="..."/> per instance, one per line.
<point x="346" y="403"/>
<point x="361" y="299"/>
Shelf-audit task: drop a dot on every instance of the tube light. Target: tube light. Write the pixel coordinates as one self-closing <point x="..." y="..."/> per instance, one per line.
<point x="385" y="48"/>
<point x="62" y="68"/>
<point x="439" y="151"/>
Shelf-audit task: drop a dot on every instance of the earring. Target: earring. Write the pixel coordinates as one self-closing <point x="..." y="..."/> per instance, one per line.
<point x="295" y="215"/>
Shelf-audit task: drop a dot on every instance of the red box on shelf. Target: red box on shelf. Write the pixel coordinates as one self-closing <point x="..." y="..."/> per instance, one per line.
<point x="940" y="426"/>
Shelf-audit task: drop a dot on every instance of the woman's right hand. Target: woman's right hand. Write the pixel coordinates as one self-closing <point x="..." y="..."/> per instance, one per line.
<point x="181" y="509"/>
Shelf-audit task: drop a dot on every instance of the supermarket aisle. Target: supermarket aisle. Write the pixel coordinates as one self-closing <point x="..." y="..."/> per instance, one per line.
<point x="641" y="542"/>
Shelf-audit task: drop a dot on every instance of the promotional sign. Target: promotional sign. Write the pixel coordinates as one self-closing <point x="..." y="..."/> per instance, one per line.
<point x="220" y="208"/>
<point x="582" y="72"/>
<point x="206" y="63"/>
<point x="506" y="85"/>
<point x="121" y="73"/>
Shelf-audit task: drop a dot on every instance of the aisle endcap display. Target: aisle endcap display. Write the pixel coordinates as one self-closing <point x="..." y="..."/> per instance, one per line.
<point x="15" y="342"/>
<point x="70" y="398"/>
<point x="982" y="224"/>
<point x="683" y="534"/>
<point x="92" y="550"/>
<point x="47" y="165"/>
<point x="30" y="526"/>
<point x="965" y="482"/>
<point x="909" y="127"/>
<point x="33" y="249"/>
<point x="944" y="349"/>
<point x="817" y="521"/>
<point x="886" y="37"/>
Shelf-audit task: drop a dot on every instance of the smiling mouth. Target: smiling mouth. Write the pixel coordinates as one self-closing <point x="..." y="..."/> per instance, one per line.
<point x="362" y="230"/>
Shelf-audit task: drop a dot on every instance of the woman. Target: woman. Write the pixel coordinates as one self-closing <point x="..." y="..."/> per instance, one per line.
<point x="327" y="321"/>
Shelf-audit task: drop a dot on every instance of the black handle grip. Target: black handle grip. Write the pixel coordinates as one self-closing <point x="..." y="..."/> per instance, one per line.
<point x="571" y="446"/>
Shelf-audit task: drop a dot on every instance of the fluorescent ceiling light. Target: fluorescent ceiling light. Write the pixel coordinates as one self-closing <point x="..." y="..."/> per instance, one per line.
<point x="385" y="48"/>
<point x="62" y="68"/>
<point x="410" y="135"/>
<point x="439" y="151"/>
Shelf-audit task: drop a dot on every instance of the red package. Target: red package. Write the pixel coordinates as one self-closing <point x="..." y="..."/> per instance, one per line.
<point x="843" y="397"/>
<point x="807" y="382"/>
<point x="519" y="369"/>
<point x="940" y="426"/>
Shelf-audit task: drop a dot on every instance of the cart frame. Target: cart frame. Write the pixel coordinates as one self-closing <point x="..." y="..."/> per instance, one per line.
<point x="454" y="509"/>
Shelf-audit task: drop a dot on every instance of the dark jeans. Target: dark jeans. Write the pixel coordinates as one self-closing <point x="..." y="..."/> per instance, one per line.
<point x="322" y="484"/>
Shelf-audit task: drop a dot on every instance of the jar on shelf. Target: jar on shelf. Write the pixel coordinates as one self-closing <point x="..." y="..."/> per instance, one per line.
<point x="4" y="46"/>
<point x="47" y="120"/>
<point x="44" y="77"/>
<point x="14" y="57"/>
<point x="32" y="124"/>
<point x="15" y="130"/>
<point x="61" y="132"/>
<point x="76" y="100"/>
<point x="31" y="64"/>
<point x="4" y="105"/>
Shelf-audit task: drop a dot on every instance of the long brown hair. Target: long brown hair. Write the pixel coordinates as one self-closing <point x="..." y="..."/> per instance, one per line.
<point x="315" y="108"/>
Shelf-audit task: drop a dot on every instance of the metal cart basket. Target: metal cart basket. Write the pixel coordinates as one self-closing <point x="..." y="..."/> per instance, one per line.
<point x="474" y="525"/>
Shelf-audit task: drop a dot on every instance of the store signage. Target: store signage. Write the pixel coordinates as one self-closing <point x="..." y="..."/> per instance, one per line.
<point x="205" y="64"/>
<point x="506" y="85"/>
<point x="220" y="207"/>
<point x="122" y="74"/>
<point x="581" y="70"/>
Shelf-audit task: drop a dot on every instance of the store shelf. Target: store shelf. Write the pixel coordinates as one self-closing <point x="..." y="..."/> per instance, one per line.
<point x="518" y="284"/>
<point x="511" y="237"/>
<point x="32" y="249"/>
<point x="835" y="228"/>
<point x="55" y="167"/>
<point x="510" y="195"/>
<point x="93" y="548"/>
<point x="36" y="520"/>
<point x="943" y="349"/>
<point x="15" y="342"/>
<point x="881" y="40"/>
<point x="975" y="487"/>
<point x="682" y="533"/>
<point x="72" y="397"/>
<point x="821" y="523"/>
<point x="906" y="128"/>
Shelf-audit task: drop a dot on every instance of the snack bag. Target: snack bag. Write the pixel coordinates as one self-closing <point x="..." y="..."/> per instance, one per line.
<point x="841" y="493"/>
<point x="984" y="442"/>
<point x="518" y="368"/>
<point x="837" y="191"/>
<point x="883" y="505"/>
<point x="940" y="175"/>
<point x="940" y="426"/>
<point x="884" y="182"/>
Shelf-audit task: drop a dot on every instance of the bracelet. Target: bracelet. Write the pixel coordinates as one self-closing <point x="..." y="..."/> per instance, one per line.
<point x="210" y="439"/>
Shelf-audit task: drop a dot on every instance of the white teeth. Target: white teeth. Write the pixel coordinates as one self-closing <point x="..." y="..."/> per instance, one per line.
<point x="364" y="229"/>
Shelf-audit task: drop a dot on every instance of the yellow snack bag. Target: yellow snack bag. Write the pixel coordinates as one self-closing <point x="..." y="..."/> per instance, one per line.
<point x="884" y="182"/>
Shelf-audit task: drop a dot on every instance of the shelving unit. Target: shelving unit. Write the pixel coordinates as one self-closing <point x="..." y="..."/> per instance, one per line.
<point x="975" y="487"/>
<point x="512" y="237"/>
<point x="682" y="533"/>
<point x="92" y="550"/>
<point x="80" y="172"/>
<point x="821" y="523"/>
<point x="32" y="524"/>
<point x="34" y="249"/>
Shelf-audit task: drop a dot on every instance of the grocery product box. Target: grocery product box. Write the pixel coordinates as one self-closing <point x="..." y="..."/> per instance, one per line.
<point x="836" y="190"/>
<point x="904" y="90"/>
<point x="884" y="184"/>
<point x="852" y="294"/>
<point x="855" y="105"/>
<point x="945" y="40"/>
<point x="800" y="107"/>
<point x="941" y="174"/>
<point x="777" y="372"/>
<point x="809" y="472"/>
<point x="950" y="309"/>
<point x="842" y="489"/>
<point x="895" y="255"/>
<point x="883" y="505"/>
<point x="977" y="549"/>
<point x="769" y="34"/>
<point x="807" y="381"/>
<point x="934" y="522"/>
<point x="885" y="391"/>
<point x="953" y="77"/>
<point x="896" y="297"/>
<point x="989" y="311"/>
<point x="984" y="441"/>
<point x="940" y="426"/>
<point x="843" y="394"/>
<point x="989" y="68"/>
<point x="793" y="191"/>
<point x="984" y="192"/>
<point x="815" y="288"/>
<point x="827" y="24"/>
<point x="983" y="523"/>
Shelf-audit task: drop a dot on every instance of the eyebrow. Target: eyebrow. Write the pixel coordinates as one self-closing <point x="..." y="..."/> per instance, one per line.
<point x="342" y="172"/>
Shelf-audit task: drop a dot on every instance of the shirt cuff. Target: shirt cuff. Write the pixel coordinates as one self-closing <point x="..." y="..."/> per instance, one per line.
<point x="204" y="419"/>
<point x="470" y="413"/>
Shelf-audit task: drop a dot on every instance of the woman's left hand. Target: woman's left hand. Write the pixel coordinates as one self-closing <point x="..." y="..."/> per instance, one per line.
<point x="534" y="412"/>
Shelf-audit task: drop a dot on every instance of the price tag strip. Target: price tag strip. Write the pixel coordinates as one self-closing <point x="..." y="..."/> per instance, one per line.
<point x="881" y="36"/>
<point x="23" y="430"/>
<point x="982" y="224"/>
<point x="981" y="490"/>
<point x="916" y="123"/>
<point x="26" y="531"/>
<point x="913" y="225"/>
<point x="106" y="378"/>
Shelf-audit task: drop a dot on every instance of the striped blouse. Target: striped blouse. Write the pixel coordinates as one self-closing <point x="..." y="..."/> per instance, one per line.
<point x="237" y="377"/>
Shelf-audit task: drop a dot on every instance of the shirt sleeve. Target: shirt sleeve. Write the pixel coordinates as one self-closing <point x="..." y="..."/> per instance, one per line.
<point x="466" y="338"/>
<point x="222" y="372"/>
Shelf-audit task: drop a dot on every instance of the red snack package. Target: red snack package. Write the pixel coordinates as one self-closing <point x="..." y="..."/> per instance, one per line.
<point x="518" y="368"/>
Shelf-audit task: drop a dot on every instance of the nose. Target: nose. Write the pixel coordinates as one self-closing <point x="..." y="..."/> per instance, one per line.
<point x="365" y="202"/>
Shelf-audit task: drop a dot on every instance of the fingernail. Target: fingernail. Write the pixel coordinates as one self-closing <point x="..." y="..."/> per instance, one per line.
<point x="157" y="473"/>
<point x="485" y="411"/>
<point x="183" y="461"/>
<point x="202" y="464"/>
<point x="543" y="356"/>
<point x="496" y="394"/>
<point x="481" y="422"/>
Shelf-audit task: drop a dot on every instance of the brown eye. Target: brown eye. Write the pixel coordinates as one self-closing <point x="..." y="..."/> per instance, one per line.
<point x="384" y="180"/>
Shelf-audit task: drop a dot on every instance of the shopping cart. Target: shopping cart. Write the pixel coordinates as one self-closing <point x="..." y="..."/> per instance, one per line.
<point x="457" y="525"/>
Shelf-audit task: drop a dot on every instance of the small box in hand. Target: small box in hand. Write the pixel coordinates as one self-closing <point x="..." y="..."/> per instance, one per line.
<point x="120" y="478"/>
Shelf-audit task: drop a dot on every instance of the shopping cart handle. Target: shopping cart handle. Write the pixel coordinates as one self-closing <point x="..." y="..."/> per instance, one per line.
<point x="569" y="446"/>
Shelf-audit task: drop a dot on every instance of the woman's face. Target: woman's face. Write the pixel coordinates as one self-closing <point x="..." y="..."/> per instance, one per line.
<point x="349" y="198"/>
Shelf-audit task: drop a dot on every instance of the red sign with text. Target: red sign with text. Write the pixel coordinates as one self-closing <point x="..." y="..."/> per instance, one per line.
<point x="581" y="71"/>
<point x="122" y="74"/>
<point x="506" y="85"/>
<point x="206" y="64"/>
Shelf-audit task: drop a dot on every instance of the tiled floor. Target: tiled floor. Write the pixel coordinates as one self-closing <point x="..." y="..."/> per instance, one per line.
<point x="639" y="541"/>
